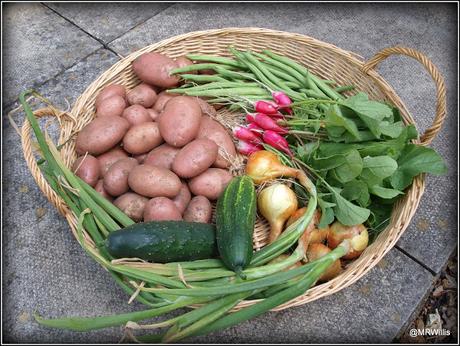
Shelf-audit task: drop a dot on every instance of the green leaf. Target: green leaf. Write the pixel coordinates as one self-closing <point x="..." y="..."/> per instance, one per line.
<point x="330" y="162"/>
<point x="334" y="118"/>
<point x="327" y="213"/>
<point x="346" y="212"/>
<point x="392" y="130"/>
<point x="380" y="166"/>
<point x="384" y="192"/>
<point x="416" y="159"/>
<point x="351" y="168"/>
<point x="356" y="190"/>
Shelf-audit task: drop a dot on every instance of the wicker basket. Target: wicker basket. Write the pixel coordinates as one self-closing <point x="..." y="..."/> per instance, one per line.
<point x="323" y="59"/>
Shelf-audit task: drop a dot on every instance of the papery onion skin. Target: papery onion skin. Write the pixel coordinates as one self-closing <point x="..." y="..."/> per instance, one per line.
<point x="357" y="234"/>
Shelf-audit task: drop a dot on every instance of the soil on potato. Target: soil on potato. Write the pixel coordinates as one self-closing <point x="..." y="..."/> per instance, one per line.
<point x="439" y="311"/>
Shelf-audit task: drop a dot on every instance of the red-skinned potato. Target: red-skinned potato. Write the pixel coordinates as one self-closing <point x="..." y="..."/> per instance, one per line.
<point x="214" y="131"/>
<point x="151" y="181"/>
<point x="110" y="90"/>
<point x="108" y="158"/>
<point x="196" y="157"/>
<point x="162" y="100"/>
<point x="142" y="138"/>
<point x="161" y="209"/>
<point x="183" y="198"/>
<point x="136" y="114"/>
<point x="153" y="114"/>
<point x="154" y="68"/>
<point x="180" y="121"/>
<point x="111" y="106"/>
<point x="101" y="134"/>
<point x="143" y="95"/>
<point x="116" y="178"/>
<point x="132" y="205"/>
<point x="162" y="156"/>
<point x="140" y="158"/>
<point x="100" y="188"/>
<point x="87" y="168"/>
<point x="198" y="210"/>
<point x="210" y="183"/>
<point x="318" y="250"/>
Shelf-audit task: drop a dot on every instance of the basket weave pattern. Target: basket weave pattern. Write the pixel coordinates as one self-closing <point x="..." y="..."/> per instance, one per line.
<point x="324" y="60"/>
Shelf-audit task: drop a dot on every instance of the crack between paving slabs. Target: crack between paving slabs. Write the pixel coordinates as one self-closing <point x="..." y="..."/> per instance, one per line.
<point x="416" y="260"/>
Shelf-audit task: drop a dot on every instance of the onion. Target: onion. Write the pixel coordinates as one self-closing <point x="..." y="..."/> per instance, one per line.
<point x="276" y="203"/>
<point x="317" y="235"/>
<point x="264" y="165"/>
<point x="318" y="250"/>
<point x="358" y="235"/>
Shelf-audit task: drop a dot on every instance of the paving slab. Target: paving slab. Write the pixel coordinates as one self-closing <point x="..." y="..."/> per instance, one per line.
<point x="107" y="22"/>
<point x="37" y="45"/>
<point x="363" y="29"/>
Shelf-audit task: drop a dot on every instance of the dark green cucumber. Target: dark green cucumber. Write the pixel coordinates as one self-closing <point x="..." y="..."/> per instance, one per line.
<point x="235" y="219"/>
<point x="164" y="241"/>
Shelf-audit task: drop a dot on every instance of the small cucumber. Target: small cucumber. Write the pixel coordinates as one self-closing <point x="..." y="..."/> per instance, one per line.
<point x="164" y="241"/>
<point x="235" y="219"/>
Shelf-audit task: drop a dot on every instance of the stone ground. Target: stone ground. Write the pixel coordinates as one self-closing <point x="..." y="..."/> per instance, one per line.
<point x="60" y="48"/>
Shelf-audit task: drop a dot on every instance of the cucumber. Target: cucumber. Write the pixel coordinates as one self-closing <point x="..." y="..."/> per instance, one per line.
<point x="164" y="241"/>
<point x="235" y="219"/>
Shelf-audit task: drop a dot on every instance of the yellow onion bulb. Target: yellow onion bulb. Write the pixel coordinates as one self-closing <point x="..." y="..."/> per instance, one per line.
<point x="357" y="234"/>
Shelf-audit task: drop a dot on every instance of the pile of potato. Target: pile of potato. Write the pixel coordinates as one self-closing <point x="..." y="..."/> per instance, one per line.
<point x="155" y="155"/>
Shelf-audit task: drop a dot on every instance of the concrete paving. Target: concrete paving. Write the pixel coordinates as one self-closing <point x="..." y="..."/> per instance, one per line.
<point x="61" y="48"/>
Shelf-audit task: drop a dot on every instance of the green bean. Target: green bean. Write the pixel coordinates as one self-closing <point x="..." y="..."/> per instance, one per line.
<point x="255" y="91"/>
<point x="202" y="78"/>
<point x="215" y="59"/>
<point x="222" y="85"/>
<point x="345" y="88"/>
<point x="234" y="74"/>
<point x="314" y="94"/>
<point x="198" y="67"/>
<point x="298" y="76"/>
<point x="325" y="88"/>
<point x="329" y="81"/>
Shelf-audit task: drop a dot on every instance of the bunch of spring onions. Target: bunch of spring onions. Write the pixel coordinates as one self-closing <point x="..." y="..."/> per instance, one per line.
<point x="168" y="287"/>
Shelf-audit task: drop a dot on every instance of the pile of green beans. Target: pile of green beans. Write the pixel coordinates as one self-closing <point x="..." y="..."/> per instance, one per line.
<point x="252" y="76"/>
<point x="168" y="287"/>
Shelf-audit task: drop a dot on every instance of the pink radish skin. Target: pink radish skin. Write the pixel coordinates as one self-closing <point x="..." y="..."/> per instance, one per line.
<point x="246" y="134"/>
<point x="277" y="141"/>
<point x="256" y="129"/>
<point x="265" y="122"/>
<point x="282" y="100"/>
<point x="266" y="107"/>
<point x="246" y="148"/>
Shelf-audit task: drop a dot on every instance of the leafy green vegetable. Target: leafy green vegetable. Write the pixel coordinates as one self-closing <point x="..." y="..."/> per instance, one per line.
<point x="380" y="166"/>
<point x="334" y="119"/>
<point x="414" y="160"/>
<point x="351" y="168"/>
<point x="348" y="213"/>
<point x="384" y="192"/>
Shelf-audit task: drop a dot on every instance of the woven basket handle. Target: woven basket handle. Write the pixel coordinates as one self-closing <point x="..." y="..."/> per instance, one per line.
<point x="433" y="130"/>
<point x="27" y="148"/>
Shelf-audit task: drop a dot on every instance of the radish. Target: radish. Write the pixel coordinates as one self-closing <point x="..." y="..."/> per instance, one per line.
<point x="266" y="107"/>
<point x="277" y="141"/>
<point x="282" y="100"/>
<point x="246" y="134"/>
<point x="256" y="129"/>
<point x="246" y="148"/>
<point x="265" y="122"/>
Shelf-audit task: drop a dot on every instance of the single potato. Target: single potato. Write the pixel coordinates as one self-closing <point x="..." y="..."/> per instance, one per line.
<point x="100" y="188"/>
<point x="110" y="90"/>
<point x="162" y="156"/>
<point x="140" y="158"/>
<point x="153" y="114"/>
<point x="183" y="198"/>
<point x="162" y="100"/>
<point x="151" y="181"/>
<point x="88" y="169"/>
<point x="180" y="121"/>
<point x="132" y="205"/>
<point x="210" y="183"/>
<point x="111" y="106"/>
<point x="206" y="108"/>
<point x="109" y="158"/>
<point x="196" y="157"/>
<point x="143" y="95"/>
<point x="116" y="178"/>
<point x="198" y="210"/>
<point x="136" y="114"/>
<point x="214" y="131"/>
<point x="161" y="209"/>
<point x="154" y="68"/>
<point x="142" y="138"/>
<point x="101" y="134"/>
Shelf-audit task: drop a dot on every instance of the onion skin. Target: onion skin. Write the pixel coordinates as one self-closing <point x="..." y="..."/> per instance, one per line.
<point x="264" y="165"/>
<point x="358" y="235"/>
<point x="317" y="235"/>
<point x="277" y="203"/>
<point x="318" y="250"/>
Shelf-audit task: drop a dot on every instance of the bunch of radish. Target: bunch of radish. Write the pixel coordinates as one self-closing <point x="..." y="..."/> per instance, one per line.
<point x="263" y="128"/>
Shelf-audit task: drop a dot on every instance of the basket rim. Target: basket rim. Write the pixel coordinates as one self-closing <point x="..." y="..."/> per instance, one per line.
<point x="378" y="249"/>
